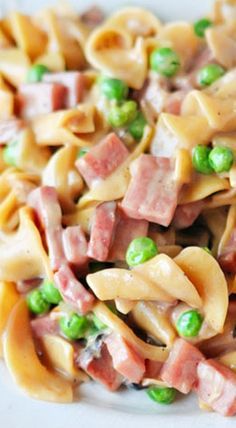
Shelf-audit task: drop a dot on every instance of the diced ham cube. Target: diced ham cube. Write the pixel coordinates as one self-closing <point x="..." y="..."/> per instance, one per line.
<point x="102" y="230"/>
<point x="180" y="369"/>
<point x="10" y="129"/>
<point x="44" y="325"/>
<point x="152" y="193"/>
<point x="185" y="215"/>
<point x="102" y="160"/>
<point x="217" y="387"/>
<point x="152" y="369"/>
<point x="40" y="98"/>
<point x="154" y="95"/>
<point x="26" y="285"/>
<point x="75" y="245"/>
<point x="126" y="230"/>
<point x="125" y="359"/>
<point x="55" y="247"/>
<point x="44" y="200"/>
<point x="72" y="291"/>
<point x="174" y="101"/>
<point x="101" y="369"/>
<point x="227" y="259"/>
<point x="74" y="81"/>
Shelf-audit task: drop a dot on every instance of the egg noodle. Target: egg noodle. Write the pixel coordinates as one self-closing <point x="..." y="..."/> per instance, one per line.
<point x="118" y="203"/>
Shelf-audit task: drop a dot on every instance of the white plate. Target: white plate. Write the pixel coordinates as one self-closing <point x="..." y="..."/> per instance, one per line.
<point x="98" y="408"/>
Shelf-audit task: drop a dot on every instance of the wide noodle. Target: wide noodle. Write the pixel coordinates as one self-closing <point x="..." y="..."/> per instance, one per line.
<point x="118" y="202"/>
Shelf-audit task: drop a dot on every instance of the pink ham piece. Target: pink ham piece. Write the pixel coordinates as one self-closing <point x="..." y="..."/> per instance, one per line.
<point x="152" y="369"/>
<point x="74" y="82"/>
<point x="25" y="285"/>
<point x="10" y="129"/>
<point x="125" y="359"/>
<point x="44" y="200"/>
<point x="45" y="203"/>
<point x="185" y="215"/>
<point x="126" y="230"/>
<point x="72" y="291"/>
<point x="102" y="229"/>
<point x="55" y="247"/>
<point x="217" y="387"/>
<point x="75" y="245"/>
<point x="152" y="193"/>
<point x="40" y="98"/>
<point x="227" y="259"/>
<point x="92" y="17"/>
<point x="174" y="101"/>
<point x="180" y="369"/>
<point x="44" y="325"/>
<point x="102" y="160"/>
<point x="154" y="95"/>
<point x="101" y="369"/>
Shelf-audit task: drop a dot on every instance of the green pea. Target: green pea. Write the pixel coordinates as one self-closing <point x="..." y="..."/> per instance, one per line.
<point x="130" y="108"/>
<point x="207" y="250"/>
<point x="36" y="302"/>
<point x="36" y="73"/>
<point x="221" y="159"/>
<point x="82" y="152"/>
<point x="165" y="61"/>
<point x="189" y="323"/>
<point x="201" y="26"/>
<point x="161" y="395"/>
<point x="123" y="114"/>
<point x="209" y="74"/>
<point x="113" y="89"/>
<point x="117" y="117"/>
<point x="140" y="250"/>
<point x="50" y="293"/>
<point x="136" y="127"/>
<point x="10" y="153"/>
<point x="74" y="326"/>
<point x="200" y="159"/>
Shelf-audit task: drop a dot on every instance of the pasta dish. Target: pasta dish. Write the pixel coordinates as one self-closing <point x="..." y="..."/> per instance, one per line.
<point x="118" y="203"/>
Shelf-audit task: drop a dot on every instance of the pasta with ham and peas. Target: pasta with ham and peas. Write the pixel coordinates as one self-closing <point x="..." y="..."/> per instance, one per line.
<point x="118" y="203"/>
